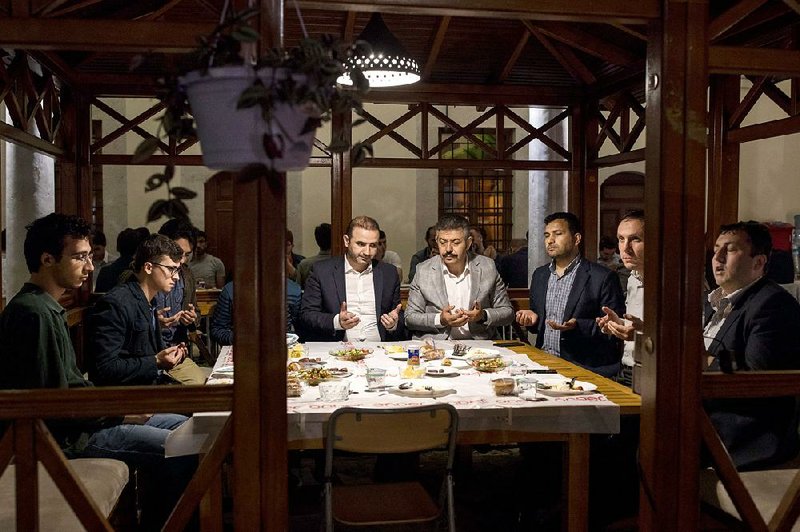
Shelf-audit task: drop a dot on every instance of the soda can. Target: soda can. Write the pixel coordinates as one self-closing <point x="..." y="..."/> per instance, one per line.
<point x="413" y="355"/>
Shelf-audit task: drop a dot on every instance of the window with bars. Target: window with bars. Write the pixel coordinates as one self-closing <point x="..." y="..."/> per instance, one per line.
<point x="483" y="196"/>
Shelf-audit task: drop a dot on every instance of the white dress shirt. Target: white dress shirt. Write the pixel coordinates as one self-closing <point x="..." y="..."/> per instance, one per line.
<point x="634" y="305"/>
<point x="360" y="301"/>
<point x="458" y="289"/>
<point x="722" y="305"/>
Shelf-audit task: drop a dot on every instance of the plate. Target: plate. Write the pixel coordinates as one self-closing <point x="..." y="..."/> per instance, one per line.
<point x="418" y="390"/>
<point x="488" y="364"/>
<point x="441" y="371"/>
<point x="394" y="349"/>
<point x="482" y="352"/>
<point x="398" y="356"/>
<point x="455" y="363"/>
<point x="353" y="354"/>
<point x="588" y="387"/>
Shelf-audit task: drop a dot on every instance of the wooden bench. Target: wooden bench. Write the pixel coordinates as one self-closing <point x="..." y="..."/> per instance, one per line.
<point x="103" y="479"/>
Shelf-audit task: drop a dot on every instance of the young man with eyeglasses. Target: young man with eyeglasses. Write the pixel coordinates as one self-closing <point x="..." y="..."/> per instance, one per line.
<point x="125" y="339"/>
<point x="38" y="353"/>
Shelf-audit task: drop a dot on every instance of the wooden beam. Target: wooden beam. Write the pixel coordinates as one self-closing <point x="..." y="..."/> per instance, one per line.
<point x="483" y="164"/>
<point x="765" y="130"/>
<point x="565" y="56"/>
<point x="435" y="47"/>
<point x="21" y="138"/>
<point x="723" y="156"/>
<point x="350" y="22"/>
<point x="633" y="156"/>
<point x="74" y="7"/>
<point x="588" y="43"/>
<point x="731" y="17"/>
<point x="794" y="5"/>
<point x="101" y="35"/>
<point x="630" y="31"/>
<point x="341" y="184"/>
<point x="622" y="11"/>
<point x="755" y="61"/>
<point x="442" y="93"/>
<point x="750" y="384"/>
<point x="514" y="57"/>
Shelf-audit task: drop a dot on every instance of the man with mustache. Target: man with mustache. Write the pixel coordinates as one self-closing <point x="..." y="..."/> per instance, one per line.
<point x="454" y="294"/>
<point x="568" y="295"/>
<point x="355" y="297"/>
<point x="751" y="324"/>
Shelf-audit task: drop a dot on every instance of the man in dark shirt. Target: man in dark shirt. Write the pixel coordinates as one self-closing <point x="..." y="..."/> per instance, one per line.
<point x="37" y="353"/>
<point x="127" y="242"/>
<point x="125" y="341"/>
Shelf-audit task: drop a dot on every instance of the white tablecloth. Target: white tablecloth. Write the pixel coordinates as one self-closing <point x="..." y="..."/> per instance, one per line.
<point x="479" y="409"/>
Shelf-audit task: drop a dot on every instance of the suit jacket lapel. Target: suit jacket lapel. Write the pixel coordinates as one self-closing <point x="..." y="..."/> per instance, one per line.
<point x="581" y="279"/>
<point x="475" y="281"/>
<point x="338" y="281"/>
<point x="438" y="281"/>
<point x="377" y="282"/>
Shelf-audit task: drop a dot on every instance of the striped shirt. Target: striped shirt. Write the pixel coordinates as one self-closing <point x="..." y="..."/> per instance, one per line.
<point x="558" y="290"/>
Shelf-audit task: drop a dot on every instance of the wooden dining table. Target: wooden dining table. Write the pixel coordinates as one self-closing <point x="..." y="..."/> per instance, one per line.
<point x="492" y="420"/>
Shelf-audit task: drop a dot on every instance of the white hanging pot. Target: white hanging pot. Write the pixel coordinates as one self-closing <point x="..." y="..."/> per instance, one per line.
<point x="232" y="138"/>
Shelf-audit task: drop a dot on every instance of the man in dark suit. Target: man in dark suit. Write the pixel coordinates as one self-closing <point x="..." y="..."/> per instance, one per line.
<point x="513" y="268"/>
<point x="355" y="297"/>
<point x="752" y="323"/>
<point x="566" y="297"/>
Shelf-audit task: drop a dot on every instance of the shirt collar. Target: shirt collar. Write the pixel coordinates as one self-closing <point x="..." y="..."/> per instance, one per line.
<point x="717" y="295"/>
<point x="463" y="275"/>
<point x="348" y="269"/>
<point x="569" y="267"/>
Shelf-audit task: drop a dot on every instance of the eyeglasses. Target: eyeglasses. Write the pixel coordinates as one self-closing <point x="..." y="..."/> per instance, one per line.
<point x="171" y="270"/>
<point x="84" y="257"/>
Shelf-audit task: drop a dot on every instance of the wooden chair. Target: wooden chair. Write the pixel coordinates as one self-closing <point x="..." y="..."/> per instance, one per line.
<point x="382" y="431"/>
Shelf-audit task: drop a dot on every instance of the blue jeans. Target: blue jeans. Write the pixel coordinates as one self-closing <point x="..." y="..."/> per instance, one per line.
<point x="143" y="446"/>
<point x="138" y="445"/>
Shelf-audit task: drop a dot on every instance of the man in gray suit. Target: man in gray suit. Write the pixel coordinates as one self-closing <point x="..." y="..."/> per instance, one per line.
<point x="455" y="295"/>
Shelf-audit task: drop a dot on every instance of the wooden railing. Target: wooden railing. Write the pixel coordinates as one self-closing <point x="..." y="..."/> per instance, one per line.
<point x="28" y="441"/>
<point x="747" y="385"/>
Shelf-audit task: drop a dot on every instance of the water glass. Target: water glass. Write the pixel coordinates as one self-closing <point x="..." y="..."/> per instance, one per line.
<point x="376" y="378"/>
<point x="330" y="391"/>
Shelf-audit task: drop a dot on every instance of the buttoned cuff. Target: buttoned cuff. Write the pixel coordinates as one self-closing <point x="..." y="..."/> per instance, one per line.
<point x="336" y="325"/>
<point x="438" y="319"/>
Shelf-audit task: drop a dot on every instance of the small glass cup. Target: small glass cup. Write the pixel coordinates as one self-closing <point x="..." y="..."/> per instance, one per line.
<point x="376" y="378"/>
<point x="503" y="386"/>
<point x="330" y="391"/>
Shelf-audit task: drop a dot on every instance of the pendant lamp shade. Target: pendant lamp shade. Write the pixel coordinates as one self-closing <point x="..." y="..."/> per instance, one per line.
<point x="388" y="64"/>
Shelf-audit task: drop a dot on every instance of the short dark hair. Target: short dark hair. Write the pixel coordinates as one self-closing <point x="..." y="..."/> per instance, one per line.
<point x="152" y="248"/>
<point x="573" y="222"/>
<point x="635" y="214"/>
<point x="47" y="234"/>
<point x="144" y="232"/>
<point x="452" y="222"/>
<point x="177" y="229"/>
<point x="429" y="230"/>
<point x="127" y="241"/>
<point x="480" y="230"/>
<point x="200" y="233"/>
<point x="322" y="234"/>
<point x="757" y="233"/>
<point x="608" y="243"/>
<point x="382" y="234"/>
<point x="99" y="238"/>
<point x="364" y="222"/>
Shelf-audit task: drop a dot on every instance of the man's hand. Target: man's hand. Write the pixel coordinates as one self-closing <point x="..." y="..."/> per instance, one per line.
<point x="566" y="326"/>
<point x="347" y="320"/>
<point x="188" y="316"/>
<point x="453" y="318"/>
<point x="527" y="318"/>
<point x="170" y="357"/>
<point x="475" y="313"/>
<point x="168" y="321"/>
<point x="390" y="319"/>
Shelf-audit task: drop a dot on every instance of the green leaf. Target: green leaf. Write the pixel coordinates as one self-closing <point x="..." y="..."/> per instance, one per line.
<point x="252" y="96"/>
<point x="183" y="193"/>
<point x="360" y="152"/>
<point x="157" y="210"/>
<point x="145" y="150"/>
<point x="154" y="181"/>
<point x="311" y="125"/>
<point x="178" y="209"/>
<point x="245" y="34"/>
<point x="358" y="122"/>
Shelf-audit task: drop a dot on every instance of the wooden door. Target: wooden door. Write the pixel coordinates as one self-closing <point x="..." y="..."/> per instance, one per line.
<point x="219" y="217"/>
<point x="619" y="194"/>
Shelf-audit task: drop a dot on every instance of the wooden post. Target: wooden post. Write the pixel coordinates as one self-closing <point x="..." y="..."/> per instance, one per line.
<point x="584" y="188"/>
<point x="341" y="184"/>
<point x="259" y="399"/>
<point x="723" y="159"/>
<point x="674" y="203"/>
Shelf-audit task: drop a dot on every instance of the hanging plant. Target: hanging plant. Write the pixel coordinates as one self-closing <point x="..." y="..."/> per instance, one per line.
<point x="172" y="207"/>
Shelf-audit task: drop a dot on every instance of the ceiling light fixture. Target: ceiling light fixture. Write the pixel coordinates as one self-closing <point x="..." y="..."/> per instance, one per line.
<point x="388" y="65"/>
